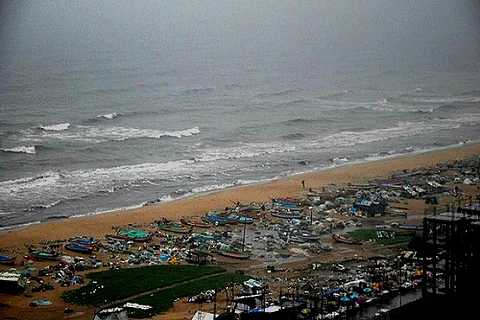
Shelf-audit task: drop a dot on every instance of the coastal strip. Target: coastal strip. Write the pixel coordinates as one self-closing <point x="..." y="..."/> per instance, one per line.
<point x="99" y="225"/>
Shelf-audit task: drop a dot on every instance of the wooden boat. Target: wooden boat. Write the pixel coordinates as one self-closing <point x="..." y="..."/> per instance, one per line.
<point x="252" y="214"/>
<point x="78" y="248"/>
<point x="220" y="217"/>
<point x="297" y="239"/>
<point x="283" y="214"/>
<point x="116" y="237"/>
<point x="85" y="242"/>
<point x="134" y="235"/>
<point x="44" y="255"/>
<point x="242" y="219"/>
<point x="174" y="227"/>
<point x="236" y="254"/>
<point x="342" y="238"/>
<point x="205" y="237"/>
<point x="6" y="260"/>
<point x="407" y="226"/>
<point x="196" y="223"/>
<point x="299" y="236"/>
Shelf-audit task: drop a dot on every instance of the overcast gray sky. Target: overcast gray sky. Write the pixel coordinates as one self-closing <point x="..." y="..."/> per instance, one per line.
<point x="417" y="29"/>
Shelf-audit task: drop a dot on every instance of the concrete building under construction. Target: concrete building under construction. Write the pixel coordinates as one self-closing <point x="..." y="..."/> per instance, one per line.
<point x="451" y="247"/>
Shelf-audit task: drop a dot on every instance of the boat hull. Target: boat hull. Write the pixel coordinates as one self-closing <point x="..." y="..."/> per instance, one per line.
<point x="234" y="254"/>
<point x="5" y="260"/>
<point x="346" y="239"/>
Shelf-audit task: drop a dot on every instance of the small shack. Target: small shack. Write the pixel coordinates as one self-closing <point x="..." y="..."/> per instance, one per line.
<point x="111" y="314"/>
<point x="198" y="257"/>
<point x="252" y="287"/>
<point x="371" y="208"/>
<point x="12" y="282"/>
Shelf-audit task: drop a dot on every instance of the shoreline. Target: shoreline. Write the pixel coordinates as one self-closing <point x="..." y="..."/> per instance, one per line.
<point x="156" y="202"/>
<point x="92" y="215"/>
<point x="96" y="225"/>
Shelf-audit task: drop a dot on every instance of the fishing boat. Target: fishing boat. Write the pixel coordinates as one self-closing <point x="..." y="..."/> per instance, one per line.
<point x="342" y="238"/>
<point x="116" y="237"/>
<point x="304" y="236"/>
<point x="220" y="217"/>
<point x="242" y="219"/>
<point x="78" y="248"/>
<point x="407" y="226"/>
<point x="196" y="222"/>
<point x="174" y="227"/>
<point x="6" y="260"/>
<point x="134" y="235"/>
<point x="205" y="236"/>
<point x="85" y="242"/>
<point x="285" y="214"/>
<point x="44" y="255"/>
<point x="236" y="254"/>
<point x="252" y="214"/>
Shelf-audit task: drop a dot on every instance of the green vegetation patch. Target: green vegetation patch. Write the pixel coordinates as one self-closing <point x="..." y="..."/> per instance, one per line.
<point x="161" y="301"/>
<point x="371" y="234"/>
<point x="111" y="285"/>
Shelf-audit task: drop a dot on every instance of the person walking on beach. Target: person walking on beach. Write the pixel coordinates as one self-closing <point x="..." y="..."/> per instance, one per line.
<point x="303" y="184"/>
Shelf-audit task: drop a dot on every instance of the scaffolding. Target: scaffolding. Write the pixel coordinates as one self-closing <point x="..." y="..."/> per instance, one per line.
<point x="451" y="253"/>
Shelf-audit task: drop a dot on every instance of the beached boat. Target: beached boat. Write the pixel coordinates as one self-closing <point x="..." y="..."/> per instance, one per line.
<point x="220" y="217"/>
<point x="44" y="255"/>
<point x="205" y="236"/>
<point x="6" y="260"/>
<point x="174" y="227"/>
<point x="85" y="242"/>
<point x="116" y="237"/>
<point x="236" y="254"/>
<point x="78" y="248"/>
<point x="242" y="219"/>
<point x="297" y="239"/>
<point x="196" y="223"/>
<point x="407" y="226"/>
<point x="283" y="214"/>
<point x="134" y="235"/>
<point x="342" y="238"/>
<point x="304" y="236"/>
<point x="252" y="214"/>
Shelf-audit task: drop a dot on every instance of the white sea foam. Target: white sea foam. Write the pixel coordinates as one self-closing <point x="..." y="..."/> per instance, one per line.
<point x="22" y="149"/>
<point x="100" y="134"/>
<point x="108" y="115"/>
<point x="340" y="160"/>
<point x="166" y="198"/>
<point x="210" y="188"/>
<point x="56" y="127"/>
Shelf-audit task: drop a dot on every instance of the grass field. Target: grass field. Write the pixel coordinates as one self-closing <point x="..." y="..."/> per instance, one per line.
<point x="155" y="286"/>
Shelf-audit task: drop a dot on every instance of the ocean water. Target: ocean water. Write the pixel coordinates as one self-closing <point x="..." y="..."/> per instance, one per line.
<point x="102" y="132"/>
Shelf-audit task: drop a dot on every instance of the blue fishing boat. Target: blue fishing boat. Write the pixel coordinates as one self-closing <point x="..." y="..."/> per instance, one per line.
<point x="84" y="241"/>
<point x="220" y="217"/>
<point x="6" y="260"/>
<point x="78" y="248"/>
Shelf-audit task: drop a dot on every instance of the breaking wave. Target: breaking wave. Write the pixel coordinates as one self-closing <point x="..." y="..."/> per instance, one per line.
<point x="56" y="127"/>
<point x="108" y="115"/>
<point x="22" y="149"/>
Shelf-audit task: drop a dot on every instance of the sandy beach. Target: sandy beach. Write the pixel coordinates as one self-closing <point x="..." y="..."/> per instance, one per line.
<point x="13" y="242"/>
